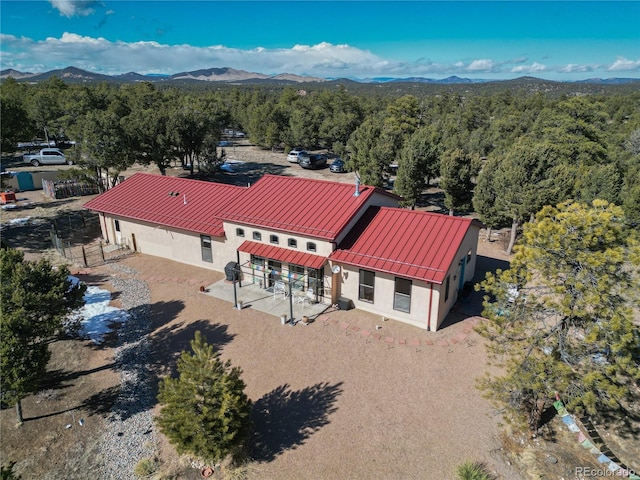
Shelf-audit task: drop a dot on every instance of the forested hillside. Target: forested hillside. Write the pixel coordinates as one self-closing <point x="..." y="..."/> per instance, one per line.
<point x="501" y="152"/>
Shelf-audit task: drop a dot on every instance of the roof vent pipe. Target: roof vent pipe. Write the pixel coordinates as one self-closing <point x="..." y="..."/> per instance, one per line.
<point x="357" y="192"/>
<point x="184" y="198"/>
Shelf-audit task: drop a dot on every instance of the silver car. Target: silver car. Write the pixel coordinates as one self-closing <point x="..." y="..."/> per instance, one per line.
<point x="294" y="155"/>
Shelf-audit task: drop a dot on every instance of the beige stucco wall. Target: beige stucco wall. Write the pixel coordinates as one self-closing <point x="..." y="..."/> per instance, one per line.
<point x="323" y="248"/>
<point x="177" y="245"/>
<point x="422" y="297"/>
<point x="428" y="305"/>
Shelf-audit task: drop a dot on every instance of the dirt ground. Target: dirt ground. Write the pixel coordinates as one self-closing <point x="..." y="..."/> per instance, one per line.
<point x="331" y="400"/>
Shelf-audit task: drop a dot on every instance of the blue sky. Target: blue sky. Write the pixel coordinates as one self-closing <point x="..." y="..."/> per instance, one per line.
<point x="475" y="39"/>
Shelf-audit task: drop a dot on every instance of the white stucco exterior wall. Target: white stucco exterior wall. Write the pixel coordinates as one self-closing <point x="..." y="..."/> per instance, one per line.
<point x="177" y="245"/>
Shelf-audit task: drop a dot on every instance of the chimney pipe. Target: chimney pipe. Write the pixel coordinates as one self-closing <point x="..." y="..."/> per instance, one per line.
<point x="357" y="192"/>
<point x="184" y="198"/>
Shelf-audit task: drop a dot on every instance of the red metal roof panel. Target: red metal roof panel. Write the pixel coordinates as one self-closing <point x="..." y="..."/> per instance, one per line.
<point x="407" y="243"/>
<point x="315" y="208"/>
<point x="283" y="254"/>
<point x="181" y="203"/>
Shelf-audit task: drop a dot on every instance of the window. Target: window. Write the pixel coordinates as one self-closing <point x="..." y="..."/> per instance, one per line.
<point x="293" y="243"/>
<point x="205" y="246"/>
<point x="274" y="239"/>
<point x="257" y="261"/>
<point x="240" y="232"/>
<point x="297" y="276"/>
<point x="367" y="279"/>
<point x="116" y="223"/>
<point x="311" y="246"/>
<point x="257" y="236"/>
<point x="446" y="288"/>
<point x="402" y="295"/>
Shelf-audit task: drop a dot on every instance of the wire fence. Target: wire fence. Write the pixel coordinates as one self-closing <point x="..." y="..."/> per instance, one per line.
<point x="74" y="237"/>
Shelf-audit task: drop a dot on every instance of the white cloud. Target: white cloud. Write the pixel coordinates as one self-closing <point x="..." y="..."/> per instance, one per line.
<point x="576" y="68"/>
<point x="623" y="65"/>
<point x="483" y="65"/>
<point x="322" y="60"/>
<point x="72" y="8"/>
<point x="535" y="67"/>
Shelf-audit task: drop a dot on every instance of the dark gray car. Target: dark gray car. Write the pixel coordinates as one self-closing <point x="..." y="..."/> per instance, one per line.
<point x="312" y="160"/>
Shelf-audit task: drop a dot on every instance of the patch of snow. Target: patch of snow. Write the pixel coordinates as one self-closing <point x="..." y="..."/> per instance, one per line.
<point x="97" y="316"/>
<point x="19" y="221"/>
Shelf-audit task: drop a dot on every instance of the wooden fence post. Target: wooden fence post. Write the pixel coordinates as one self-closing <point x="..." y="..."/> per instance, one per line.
<point x="102" y="251"/>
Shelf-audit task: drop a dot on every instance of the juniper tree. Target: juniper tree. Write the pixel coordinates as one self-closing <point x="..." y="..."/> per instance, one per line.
<point x="457" y="172"/>
<point x="205" y="411"/>
<point x="561" y="318"/>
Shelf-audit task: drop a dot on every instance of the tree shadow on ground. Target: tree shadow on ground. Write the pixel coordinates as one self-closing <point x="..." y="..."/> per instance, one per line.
<point x="56" y="378"/>
<point x="169" y="342"/>
<point x="34" y="235"/>
<point x="433" y="200"/>
<point x="470" y="302"/>
<point x="244" y="173"/>
<point x="283" y="419"/>
<point x="142" y="322"/>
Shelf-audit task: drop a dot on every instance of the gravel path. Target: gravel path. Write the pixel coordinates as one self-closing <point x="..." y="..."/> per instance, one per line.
<point x="130" y="435"/>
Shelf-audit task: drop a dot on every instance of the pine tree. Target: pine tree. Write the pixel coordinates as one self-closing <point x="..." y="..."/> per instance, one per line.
<point x="561" y="317"/>
<point x="205" y="412"/>
<point x="36" y="302"/>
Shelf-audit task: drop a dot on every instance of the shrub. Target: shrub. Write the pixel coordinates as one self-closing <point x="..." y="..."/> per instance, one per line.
<point x="473" y="471"/>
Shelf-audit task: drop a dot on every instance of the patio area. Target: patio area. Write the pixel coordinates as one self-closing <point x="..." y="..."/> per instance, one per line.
<point x="277" y="303"/>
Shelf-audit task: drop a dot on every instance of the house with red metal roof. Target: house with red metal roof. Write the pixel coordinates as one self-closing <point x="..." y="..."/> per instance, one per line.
<point x="409" y="265"/>
<point x="287" y="227"/>
<point x="402" y="264"/>
<point x="169" y="217"/>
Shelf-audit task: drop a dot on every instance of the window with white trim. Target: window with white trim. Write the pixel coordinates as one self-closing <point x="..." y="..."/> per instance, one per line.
<point x="402" y="295"/>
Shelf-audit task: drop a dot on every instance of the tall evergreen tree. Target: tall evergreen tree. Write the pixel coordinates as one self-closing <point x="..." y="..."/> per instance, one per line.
<point x="561" y="318"/>
<point x="36" y="301"/>
<point x="485" y="196"/>
<point x="418" y="164"/>
<point x="205" y="411"/>
<point x="457" y="173"/>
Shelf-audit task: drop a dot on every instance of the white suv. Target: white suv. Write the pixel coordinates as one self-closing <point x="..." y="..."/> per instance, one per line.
<point x="294" y="155"/>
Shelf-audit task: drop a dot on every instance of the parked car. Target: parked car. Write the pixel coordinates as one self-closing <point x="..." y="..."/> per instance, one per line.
<point x="295" y="154"/>
<point x="313" y="160"/>
<point x="228" y="132"/>
<point x="338" y="166"/>
<point x="47" y="156"/>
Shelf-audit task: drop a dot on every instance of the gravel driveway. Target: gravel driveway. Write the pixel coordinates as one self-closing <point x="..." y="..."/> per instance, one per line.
<point x="329" y="399"/>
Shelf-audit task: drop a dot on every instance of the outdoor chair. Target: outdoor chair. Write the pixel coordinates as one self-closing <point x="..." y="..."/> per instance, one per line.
<point x="279" y="288"/>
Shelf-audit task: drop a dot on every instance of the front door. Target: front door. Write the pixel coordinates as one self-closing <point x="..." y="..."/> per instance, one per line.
<point x="275" y="269"/>
<point x="118" y="232"/>
<point x="463" y="265"/>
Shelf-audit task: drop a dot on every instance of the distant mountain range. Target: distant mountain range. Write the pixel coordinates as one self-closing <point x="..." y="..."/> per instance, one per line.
<point x="231" y="75"/>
